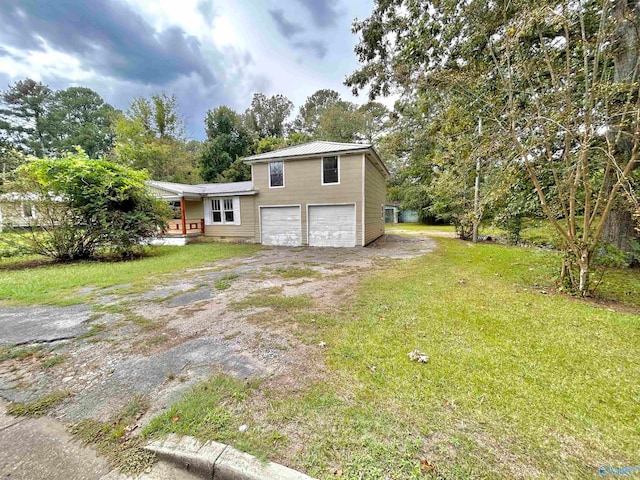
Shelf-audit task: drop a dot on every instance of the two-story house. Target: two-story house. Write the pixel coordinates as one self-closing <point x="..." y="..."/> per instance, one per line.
<point x="318" y="194"/>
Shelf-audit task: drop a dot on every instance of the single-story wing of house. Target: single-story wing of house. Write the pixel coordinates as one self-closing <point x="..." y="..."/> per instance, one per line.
<point x="318" y="194"/>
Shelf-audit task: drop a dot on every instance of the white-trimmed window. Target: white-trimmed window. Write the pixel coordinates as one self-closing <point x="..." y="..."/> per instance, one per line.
<point x="276" y="174"/>
<point x="330" y="170"/>
<point x="222" y="210"/>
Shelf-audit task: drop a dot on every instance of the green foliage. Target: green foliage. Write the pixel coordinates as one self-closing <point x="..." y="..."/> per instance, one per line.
<point x="88" y="207"/>
<point x="22" y="112"/>
<point x="227" y="140"/>
<point x="149" y="136"/>
<point x="78" y="117"/>
<point x="267" y="115"/>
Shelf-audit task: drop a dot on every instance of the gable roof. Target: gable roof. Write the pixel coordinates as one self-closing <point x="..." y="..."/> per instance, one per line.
<point x="312" y="149"/>
<point x="205" y="189"/>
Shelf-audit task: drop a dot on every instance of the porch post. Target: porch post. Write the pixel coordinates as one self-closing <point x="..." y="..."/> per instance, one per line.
<point x="183" y="216"/>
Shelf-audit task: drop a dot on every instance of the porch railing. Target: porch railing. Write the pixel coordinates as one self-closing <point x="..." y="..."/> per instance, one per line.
<point x="191" y="225"/>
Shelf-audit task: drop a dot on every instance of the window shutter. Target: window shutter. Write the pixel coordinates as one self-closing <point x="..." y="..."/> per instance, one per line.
<point x="236" y="211"/>
<point x="208" y="220"/>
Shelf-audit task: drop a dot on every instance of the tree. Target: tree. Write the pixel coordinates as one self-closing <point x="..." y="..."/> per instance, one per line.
<point x="227" y="140"/>
<point x="87" y="208"/>
<point x="267" y="115"/>
<point x="24" y="105"/>
<point x="308" y="118"/>
<point x="149" y="135"/>
<point x="541" y="75"/>
<point x="375" y="121"/>
<point x="340" y="122"/>
<point x="78" y="116"/>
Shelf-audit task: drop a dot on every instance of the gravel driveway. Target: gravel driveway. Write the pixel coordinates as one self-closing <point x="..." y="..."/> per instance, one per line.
<point x="189" y="327"/>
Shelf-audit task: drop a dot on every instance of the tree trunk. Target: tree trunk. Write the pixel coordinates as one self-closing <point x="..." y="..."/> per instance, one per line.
<point x="584" y="263"/>
<point x="619" y="226"/>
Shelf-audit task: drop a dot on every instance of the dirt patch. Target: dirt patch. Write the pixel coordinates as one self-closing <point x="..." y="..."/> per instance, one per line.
<point x="158" y="343"/>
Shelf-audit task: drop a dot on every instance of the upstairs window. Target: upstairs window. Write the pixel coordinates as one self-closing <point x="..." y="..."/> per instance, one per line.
<point x="276" y="174"/>
<point x="222" y="210"/>
<point x="330" y="170"/>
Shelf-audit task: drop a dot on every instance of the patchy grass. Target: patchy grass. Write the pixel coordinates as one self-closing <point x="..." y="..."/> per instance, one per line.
<point x="52" y="361"/>
<point x="216" y="409"/>
<point x="60" y="284"/>
<point x="295" y="272"/>
<point x="38" y="407"/>
<point x="225" y="281"/>
<point x="520" y="382"/>
<point x="20" y="353"/>
<point x="113" y="439"/>
<point x="94" y="330"/>
<point x="274" y="301"/>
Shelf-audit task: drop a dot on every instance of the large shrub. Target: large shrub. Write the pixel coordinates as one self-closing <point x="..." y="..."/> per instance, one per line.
<point x="86" y="208"/>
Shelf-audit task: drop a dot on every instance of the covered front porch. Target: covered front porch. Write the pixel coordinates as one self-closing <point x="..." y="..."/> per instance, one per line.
<point x="187" y="222"/>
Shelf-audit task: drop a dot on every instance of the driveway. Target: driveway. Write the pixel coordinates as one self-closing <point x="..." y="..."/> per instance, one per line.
<point x="233" y="318"/>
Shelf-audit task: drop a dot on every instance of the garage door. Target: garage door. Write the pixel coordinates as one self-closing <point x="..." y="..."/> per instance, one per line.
<point x="280" y="226"/>
<point x="332" y="225"/>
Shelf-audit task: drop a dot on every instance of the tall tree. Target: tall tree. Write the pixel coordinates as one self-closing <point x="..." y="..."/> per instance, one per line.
<point x="308" y="118"/>
<point x="149" y="135"/>
<point x="24" y="105"/>
<point x="540" y="73"/>
<point x="267" y="115"/>
<point x="340" y="122"/>
<point x="227" y="140"/>
<point x="78" y="116"/>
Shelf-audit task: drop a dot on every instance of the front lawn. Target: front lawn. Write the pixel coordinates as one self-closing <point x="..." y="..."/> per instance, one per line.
<point x="520" y="382"/>
<point x="60" y="283"/>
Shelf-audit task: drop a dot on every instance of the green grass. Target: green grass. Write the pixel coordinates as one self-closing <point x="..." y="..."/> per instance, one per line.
<point x="52" y="361"/>
<point x="225" y="281"/>
<point x="20" y="353"/>
<point x="123" y="451"/>
<point x="60" y="284"/>
<point x="275" y="301"/>
<point x="214" y="409"/>
<point x="295" y="272"/>
<point x="38" y="407"/>
<point x="519" y="383"/>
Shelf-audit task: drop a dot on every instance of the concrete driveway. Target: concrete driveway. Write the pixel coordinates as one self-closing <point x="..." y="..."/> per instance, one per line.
<point x="190" y="326"/>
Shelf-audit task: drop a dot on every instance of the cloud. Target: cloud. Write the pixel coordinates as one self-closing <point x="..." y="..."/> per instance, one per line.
<point x="289" y="30"/>
<point x="317" y="47"/>
<point x="105" y="35"/>
<point x="324" y="13"/>
<point x="205" y="7"/>
<point x="286" y="28"/>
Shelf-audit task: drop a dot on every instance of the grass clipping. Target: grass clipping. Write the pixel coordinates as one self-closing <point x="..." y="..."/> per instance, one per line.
<point x="115" y="439"/>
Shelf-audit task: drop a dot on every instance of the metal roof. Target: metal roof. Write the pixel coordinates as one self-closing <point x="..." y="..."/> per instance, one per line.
<point x="204" y="188"/>
<point x="311" y="148"/>
<point x="319" y="147"/>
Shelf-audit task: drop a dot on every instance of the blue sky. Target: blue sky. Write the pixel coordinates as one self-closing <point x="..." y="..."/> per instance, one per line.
<point x="206" y="52"/>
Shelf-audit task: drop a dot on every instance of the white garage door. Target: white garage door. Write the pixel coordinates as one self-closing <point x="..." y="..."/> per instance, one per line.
<point x="280" y="226"/>
<point x="332" y="225"/>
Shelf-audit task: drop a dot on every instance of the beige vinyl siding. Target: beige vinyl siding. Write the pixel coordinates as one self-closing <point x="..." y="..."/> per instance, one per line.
<point x="194" y="210"/>
<point x="245" y="232"/>
<point x="303" y="186"/>
<point x="375" y="195"/>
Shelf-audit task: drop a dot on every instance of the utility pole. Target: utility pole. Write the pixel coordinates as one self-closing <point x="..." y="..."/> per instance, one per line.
<point x="476" y="193"/>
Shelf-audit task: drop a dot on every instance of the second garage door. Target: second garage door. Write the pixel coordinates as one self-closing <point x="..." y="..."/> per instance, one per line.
<point x="332" y="225"/>
<point x="280" y="226"/>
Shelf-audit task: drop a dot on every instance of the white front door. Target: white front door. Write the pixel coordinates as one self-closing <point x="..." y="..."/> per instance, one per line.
<point x="280" y="226"/>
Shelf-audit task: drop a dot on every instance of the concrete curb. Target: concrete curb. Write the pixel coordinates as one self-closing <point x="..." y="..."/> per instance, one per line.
<point x="218" y="461"/>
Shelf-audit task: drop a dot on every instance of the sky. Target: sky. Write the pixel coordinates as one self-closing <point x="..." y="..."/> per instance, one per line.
<point x="206" y="52"/>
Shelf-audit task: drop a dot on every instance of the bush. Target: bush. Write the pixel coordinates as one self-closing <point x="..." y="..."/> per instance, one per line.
<point x="85" y="208"/>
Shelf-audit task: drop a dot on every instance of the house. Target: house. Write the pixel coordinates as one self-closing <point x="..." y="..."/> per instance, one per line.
<point x="318" y="194"/>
